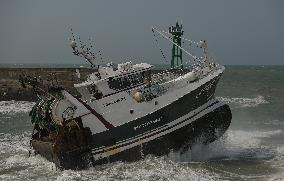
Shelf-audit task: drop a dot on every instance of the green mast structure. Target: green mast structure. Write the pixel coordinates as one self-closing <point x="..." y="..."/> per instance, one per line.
<point x="176" y="32"/>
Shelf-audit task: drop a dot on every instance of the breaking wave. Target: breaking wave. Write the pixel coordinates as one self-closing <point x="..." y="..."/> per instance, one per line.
<point x="274" y="122"/>
<point x="244" y="102"/>
<point x="11" y="107"/>
<point x="150" y="168"/>
<point x="15" y="164"/>
<point x="234" y="145"/>
<point x="195" y="164"/>
<point x="12" y="143"/>
<point x="238" y="146"/>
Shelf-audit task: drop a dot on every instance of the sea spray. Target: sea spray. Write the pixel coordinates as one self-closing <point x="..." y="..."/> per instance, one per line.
<point x="244" y="102"/>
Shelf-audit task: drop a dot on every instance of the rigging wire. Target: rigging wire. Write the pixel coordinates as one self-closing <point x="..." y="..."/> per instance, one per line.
<point x="191" y="41"/>
<point x="198" y="44"/>
<point x="197" y="60"/>
<point x="156" y="40"/>
<point x="194" y="57"/>
<point x="164" y="57"/>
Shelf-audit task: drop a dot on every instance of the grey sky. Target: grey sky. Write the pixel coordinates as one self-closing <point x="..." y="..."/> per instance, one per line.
<point x="238" y="32"/>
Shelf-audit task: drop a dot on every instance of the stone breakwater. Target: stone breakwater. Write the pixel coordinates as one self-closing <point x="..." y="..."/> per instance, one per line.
<point x="11" y="89"/>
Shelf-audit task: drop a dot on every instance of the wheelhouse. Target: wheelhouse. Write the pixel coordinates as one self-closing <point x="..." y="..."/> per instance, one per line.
<point x="97" y="86"/>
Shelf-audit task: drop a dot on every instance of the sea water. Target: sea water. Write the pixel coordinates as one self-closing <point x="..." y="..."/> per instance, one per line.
<point x="251" y="149"/>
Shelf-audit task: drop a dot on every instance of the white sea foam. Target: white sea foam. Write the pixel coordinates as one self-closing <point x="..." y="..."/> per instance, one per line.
<point x="10" y="107"/>
<point x="274" y="122"/>
<point x="239" y="143"/>
<point x="23" y="167"/>
<point x="15" y="163"/>
<point x="238" y="146"/>
<point x="12" y="143"/>
<point x="150" y="168"/>
<point x="244" y="102"/>
<point x="234" y="145"/>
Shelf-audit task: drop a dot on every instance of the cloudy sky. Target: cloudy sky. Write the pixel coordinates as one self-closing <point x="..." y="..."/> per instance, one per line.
<point x="238" y="32"/>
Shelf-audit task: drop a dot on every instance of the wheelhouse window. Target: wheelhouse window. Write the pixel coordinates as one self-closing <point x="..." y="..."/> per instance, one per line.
<point x="121" y="83"/>
<point x="147" y="78"/>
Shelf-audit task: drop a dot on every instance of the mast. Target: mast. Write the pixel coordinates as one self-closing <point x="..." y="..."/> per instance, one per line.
<point x="176" y="32"/>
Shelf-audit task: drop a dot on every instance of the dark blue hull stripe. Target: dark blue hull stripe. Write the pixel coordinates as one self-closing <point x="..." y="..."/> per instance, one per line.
<point x="150" y="135"/>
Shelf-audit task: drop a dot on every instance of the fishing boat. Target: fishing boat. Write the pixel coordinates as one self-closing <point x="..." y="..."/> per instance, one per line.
<point x="124" y="112"/>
